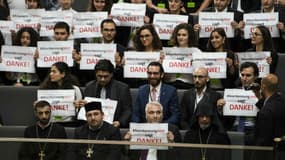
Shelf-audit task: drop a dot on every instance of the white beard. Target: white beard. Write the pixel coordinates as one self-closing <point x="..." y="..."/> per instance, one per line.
<point x="204" y="126"/>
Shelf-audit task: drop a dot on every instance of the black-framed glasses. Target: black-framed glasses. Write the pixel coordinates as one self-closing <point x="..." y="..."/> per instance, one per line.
<point x="108" y="30"/>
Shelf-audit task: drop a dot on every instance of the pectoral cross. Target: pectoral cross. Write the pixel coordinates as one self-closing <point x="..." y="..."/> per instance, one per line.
<point x="89" y="152"/>
<point x="203" y="157"/>
<point x="41" y="155"/>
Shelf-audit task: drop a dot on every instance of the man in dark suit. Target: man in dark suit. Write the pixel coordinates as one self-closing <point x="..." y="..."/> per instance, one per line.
<point x="193" y="96"/>
<point x="222" y="6"/>
<point x="154" y="114"/>
<point x="270" y="119"/>
<point x="106" y="87"/>
<point x="245" y="5"/>
<point x="156" y="90"/>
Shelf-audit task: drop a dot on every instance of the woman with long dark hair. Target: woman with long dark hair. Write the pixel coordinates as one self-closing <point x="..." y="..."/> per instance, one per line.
<point x="218" y="43"/>
<point x="261" y="41"/>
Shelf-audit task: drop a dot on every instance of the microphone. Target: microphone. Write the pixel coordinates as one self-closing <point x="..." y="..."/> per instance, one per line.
<point x="279" y="139"/>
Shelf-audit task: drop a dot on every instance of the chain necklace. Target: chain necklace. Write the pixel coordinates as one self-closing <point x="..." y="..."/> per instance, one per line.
<point x="90" y="149"/>
<point x="204" y="150"/>
<point x="41" y="154"/>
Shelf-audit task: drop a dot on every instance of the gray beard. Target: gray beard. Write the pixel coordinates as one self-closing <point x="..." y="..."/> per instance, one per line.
<point x="204" y="126"/>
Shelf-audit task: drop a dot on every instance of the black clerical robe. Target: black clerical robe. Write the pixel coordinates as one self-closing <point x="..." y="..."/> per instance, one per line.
<point x="51" y="151"/>
<point x="100" y="151"/>
<point x="207" y="136"/>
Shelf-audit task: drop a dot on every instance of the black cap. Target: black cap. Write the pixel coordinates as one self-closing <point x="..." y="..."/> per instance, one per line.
<point x="93" y="106"/>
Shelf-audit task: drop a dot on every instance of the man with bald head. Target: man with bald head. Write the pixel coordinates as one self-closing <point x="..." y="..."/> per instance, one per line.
<point x="270" y="120"/>
<point x="194" y="95"/>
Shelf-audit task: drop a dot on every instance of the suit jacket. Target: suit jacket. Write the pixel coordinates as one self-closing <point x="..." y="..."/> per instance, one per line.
<point x="270" y="120"/>
<point x="118" y="91"/>
<point x="168" y="99"/>
<point x="170" y="154"/>
<point x="188" y="104"/>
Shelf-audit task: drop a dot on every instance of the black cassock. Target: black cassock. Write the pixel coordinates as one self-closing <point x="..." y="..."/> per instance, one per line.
<point x="213" y="137"/>
<point x="50" y="151"/>
<point x="97" y="151"/>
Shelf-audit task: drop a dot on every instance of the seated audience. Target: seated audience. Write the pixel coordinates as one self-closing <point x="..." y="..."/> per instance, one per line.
<point x="44" y="128"/>
<point x="154" y="114"/>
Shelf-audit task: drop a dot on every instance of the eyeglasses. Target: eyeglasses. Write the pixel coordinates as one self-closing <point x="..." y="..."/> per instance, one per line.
<point x="108" y="30"/>
<point x="145" y="36"/>
<point x="99" y="1"/>
<point x="199" y="76"/>
<point x="254" y="34"/>
<point x="153" y="73"/>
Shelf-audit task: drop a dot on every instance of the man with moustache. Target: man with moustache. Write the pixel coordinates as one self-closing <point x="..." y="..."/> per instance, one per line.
<point x="43" y="129"/>
<point x="95" y="129"/>
<point x="192" y="97"/>
<point x="156" y="90"/>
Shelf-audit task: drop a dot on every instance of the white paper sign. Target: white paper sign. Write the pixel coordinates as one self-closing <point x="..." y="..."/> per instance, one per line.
<point x="128" y="14"/>
<point x="257" y="57"/>
<point x="178" y="60"/>
<point x="252" y="20"/>
<point x="149" y="133"/>
<point x="240" y="102"/>
<point x="215" y="62"/>
<point x="26" y="18"/>
<point x="55" y="51"/>
<point x="136" y="63"/>
<point x="18" y="59"/>
<point x="50" y="18"/>
<point x="165" y="24"/>
<point x="211" y="20"/>
<point x="92" y="53"/>
<point x="6" y="27"/>
<point x="87" y="24"/>
<point x="108" y="106"/>
<point x="62" y="103"/>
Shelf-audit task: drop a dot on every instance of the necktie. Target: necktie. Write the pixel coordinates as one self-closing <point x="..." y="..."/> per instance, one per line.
<point x="103" y="93"/>
<point x="241" y="124"/>
<point x="153" y="94"/>
<point x="143" y="154"/>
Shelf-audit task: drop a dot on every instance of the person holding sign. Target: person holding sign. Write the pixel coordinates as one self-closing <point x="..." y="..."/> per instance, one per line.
<point x="26" y="37"/>
<point x="206" y="128"/>
<point x="43" y="129"/>
<point x="193" y="96"/>
<point x="106" y="87"/>
<point x="183" y="36"/>
<point x="61" y="78"/>
<point x="156" y="90"/>
<point x="218" y="42"/>
<point x="221" y="6"/>
<point x="95" y="129"/>
<point x="270" y="119"/>
<point x="262" y="41"/>
<point x="154" y="114"/>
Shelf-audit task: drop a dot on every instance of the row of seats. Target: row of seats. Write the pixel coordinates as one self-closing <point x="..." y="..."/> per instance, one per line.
<point x="16" y="102"/>
<point x="8" y="150"/>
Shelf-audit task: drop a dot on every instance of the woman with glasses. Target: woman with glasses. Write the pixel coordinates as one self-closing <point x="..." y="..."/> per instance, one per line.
<point x="218" y="42"/>
<point x="261" y="41"/>
<point x="146" y="39"/>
